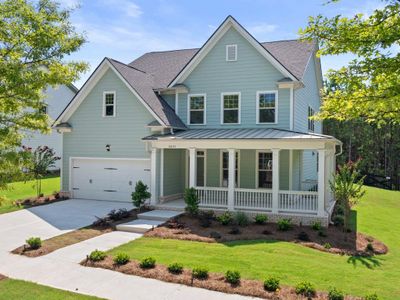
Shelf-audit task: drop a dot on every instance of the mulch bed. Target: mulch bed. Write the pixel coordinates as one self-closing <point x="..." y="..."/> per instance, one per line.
<point x="36" y="201"/>
<point x="186" y="227"/>
<point x="2" y="277"/>
<point x="215" y="281"/>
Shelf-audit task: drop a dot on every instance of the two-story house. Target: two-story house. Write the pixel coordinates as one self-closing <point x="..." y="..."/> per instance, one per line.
<point x="230" y="119"/>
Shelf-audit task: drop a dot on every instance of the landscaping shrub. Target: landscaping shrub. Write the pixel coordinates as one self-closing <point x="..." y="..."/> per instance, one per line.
<point x="119" y="214"/>
<point x="140" y="195"/>
<point x="284" y="224"/>
<point x="233" y="277"/>
<point x="241" y="219"/>
<point x="147" y="263"/>
<point x="175" y="268"/>
<point x="101" y="222"/>
<point x="373" y="296"/>
<point x="56" y="195"/>
<point x="338" y="220"/>
<point x="369" y="247"/>
<point x="192" y="201"/>
<point x="200" y="273"/>
<point x="339" y="210"/>
<point x="34" y="243"/>
<point x="305" y="288"/>
<point x="121" y="258"/>
<point x="327" y="246"/>
<point x="97" y="255"/>
<point x="303" y="236"/>
<point x="225" y="219"/>
<point x="205" y="218"/>
<point x="271" y="284"/>
<point x="234" y="230"/>
<point x="260" y="219"/>
<point x="316" y="226"/>
<point x="335" y="294"/>
<point x="322" y="233"/>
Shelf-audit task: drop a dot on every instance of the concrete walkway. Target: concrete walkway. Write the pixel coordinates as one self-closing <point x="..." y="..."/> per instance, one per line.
<point x="61" y="268"/>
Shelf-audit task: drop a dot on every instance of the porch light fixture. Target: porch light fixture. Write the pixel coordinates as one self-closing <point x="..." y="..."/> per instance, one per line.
<point x="108" y="147"/>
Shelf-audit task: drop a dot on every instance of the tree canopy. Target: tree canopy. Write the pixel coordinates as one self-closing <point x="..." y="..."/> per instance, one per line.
<point x="368" y="87"/>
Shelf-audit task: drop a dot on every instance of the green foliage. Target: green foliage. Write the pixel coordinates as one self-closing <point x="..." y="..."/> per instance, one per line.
<point x="121" y="258"/>
<point x="175" y="268"/>
<point x="241" y="219"/>
<point x="35" y="36"/>
<point x="233" y="277"/>
<point x="260" y="219"/>
<point x="335" y="294"/>
<point x="271" y="284"/>
<point x="141" y="194"/>
<point x="369" y="247"/>
<point x="305" y="288"/>
<point x="192" y="201"/>
<point x="34" y="242"/>
<point x="225" y="219"/>
<point x="316" y="226"/>
<point x="373" y="296"/>
<point x="97" y="255"/>
<point x="338" y="220"/>
<point x="284" y="224"/>
<point x="148" y="263"/>
<point x="200" y="273"/>
<point x="327" y="246"/>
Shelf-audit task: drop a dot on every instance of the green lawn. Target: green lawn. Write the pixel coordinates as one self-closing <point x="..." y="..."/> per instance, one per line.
<point x="23" y="290"/>
<point x="21" y="190"/>
<point x="377" y="215"/>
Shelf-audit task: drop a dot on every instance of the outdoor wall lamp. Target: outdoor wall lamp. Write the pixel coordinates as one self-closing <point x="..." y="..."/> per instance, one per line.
<point x="108" y="147"/>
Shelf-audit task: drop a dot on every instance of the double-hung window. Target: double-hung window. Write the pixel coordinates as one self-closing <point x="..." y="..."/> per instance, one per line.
<point x="197" y="107"/>
<point x="225" y="169"/>
<point x="109" y="104"/>
<point x="267" y="104"/>
<point x="311" y="122"/>
<point x="264" y="171"/>
<point x="230" y="108"/>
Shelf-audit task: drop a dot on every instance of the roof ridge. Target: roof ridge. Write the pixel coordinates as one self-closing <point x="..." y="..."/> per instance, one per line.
<point x="173" y="50"/>
<point x="126" y="65"/>
<point x="279" y="41"/>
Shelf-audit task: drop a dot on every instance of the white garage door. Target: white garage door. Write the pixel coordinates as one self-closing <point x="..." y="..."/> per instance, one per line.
<point x="108" y="179"/>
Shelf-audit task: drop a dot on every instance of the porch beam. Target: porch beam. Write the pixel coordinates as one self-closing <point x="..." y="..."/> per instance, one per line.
<point x="153" y="179"/>
<point x="231" y="179"/>
<point x="321" y="182"/>
<point x="275" y="180"/>
<point x="192" y="167"/>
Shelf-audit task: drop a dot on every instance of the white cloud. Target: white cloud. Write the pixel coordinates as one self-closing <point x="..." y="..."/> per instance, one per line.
<point x="128" y="7"/>
<point x="70" y="3"/>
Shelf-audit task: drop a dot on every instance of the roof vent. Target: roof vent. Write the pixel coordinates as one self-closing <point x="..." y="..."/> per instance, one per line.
<point x="231" y="52"/>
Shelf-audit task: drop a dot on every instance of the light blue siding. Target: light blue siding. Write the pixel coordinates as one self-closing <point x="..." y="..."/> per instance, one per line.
<point x="174" y="171"/>
<point x="249" y="74"/>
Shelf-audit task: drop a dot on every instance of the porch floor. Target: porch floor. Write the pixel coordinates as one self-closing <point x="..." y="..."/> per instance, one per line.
<point x="177" y="205"/>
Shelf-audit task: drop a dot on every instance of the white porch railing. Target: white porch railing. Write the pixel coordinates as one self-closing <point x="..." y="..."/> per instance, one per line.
<point x="253" y="199"/>
<point x="212" y="196"/>
<point x="298" y="201"/>
<point x="309" y="185"/>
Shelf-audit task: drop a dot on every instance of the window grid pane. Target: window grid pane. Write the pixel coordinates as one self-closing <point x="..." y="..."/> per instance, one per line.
<point x="196" y="109"/>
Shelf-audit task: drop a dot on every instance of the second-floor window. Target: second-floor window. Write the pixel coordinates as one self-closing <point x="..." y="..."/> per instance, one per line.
<point x="267" y="104"/>
<point x="197" y="105"/>
<point x="109" y="104"/>
<point x="311" y="122"/>
<point x="230" y="110"/>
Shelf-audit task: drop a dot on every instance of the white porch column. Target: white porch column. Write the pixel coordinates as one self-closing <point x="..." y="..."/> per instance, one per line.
<point x="231" y="179"/>
<point x="153" y="180"/>
<point x="192" y="167"/>
<point x="162" y="173"/>
<point x="321" y="182"/>
<point x="275" y="180"/>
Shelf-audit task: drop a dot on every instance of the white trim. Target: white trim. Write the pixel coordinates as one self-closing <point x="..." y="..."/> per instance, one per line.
<point x="290" y="169"/>
<point x="321" y="182"/>
<point x="221" y="175"/>
<point x="161" y="172"/>
<point x="258" y="106"/>
<point x="62" y="162"/>
<point x="176" y="103"/>
<point x="114" y="93"/>
<point x="257" y="169"/>
<point x="204" y="109"/>
<point x="192" y="167"/>
<point x="228" y="23"/>
<point x="231" y="178"/>
<point x="227" y="52"/>
<point x="223" y="109"/>
<point x="291" y="109"/>
<point x="153" y="176"/>
<point x="275" y="180"/>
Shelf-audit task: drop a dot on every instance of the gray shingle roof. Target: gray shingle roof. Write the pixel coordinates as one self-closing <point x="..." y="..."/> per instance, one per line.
<point x="165" y="65"/>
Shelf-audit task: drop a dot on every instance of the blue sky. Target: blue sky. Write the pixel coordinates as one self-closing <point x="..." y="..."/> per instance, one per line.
<point x="125" y="29"/>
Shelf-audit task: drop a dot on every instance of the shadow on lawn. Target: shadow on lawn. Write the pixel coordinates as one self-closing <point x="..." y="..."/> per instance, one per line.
<point x="370" y="262"/>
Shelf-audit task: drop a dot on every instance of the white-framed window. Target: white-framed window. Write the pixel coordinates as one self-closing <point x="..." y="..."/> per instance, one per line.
<point x="109" y="104"/>
<point x="225" y="168"/>
<point x="231" y="52"/>
<point x="230" y="108"/>
<point x="267" y="107"/>
<point x="264" y="169"/>
<point x="197" y="109"/>
<point x="311" y="122"/>
<point x="201" y="168"/>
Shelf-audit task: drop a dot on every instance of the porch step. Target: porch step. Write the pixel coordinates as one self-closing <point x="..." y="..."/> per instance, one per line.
<point x="159" y="215"/>
<point x="139" y="225"/>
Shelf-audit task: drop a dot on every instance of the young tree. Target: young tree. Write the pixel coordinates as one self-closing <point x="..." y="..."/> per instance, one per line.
<point x="192" y="201"/>
<point x="369" y="85"/>
<point x="35" y="38"/>
<point x="140" y="195"/>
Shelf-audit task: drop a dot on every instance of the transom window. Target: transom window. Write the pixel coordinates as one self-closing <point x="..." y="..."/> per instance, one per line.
<point x="231" y="52"/>
<point x="311" y="122"/>
<point x="225" y="169"/>
<point x="109" y="104"/>
<point x="267" y="107"/>
<point x="230" y="108"/>
<point x="264" y="170"/>
<point x="197" y="105"/>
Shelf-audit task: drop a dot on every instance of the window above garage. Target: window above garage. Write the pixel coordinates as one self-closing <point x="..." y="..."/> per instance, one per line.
<point x="109" y="104"/>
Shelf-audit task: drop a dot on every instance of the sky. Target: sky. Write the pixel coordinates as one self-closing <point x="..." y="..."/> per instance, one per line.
<point x="126" y="29"/>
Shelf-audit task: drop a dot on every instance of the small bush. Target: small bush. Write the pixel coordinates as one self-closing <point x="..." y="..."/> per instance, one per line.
<point x="200" y="273"/>
<point x="97" y="255"/>
<point x="338" y="220"/>
<point x="373" y="296"/>
<point x="56" y="195"/>
<point x="339" y="210"/>
<point x="271" y="284"/>
<point x="260" y="219"/>
<point x="233" y="277"/>
<point x="241" y="219"/>
<point x="316" y="226"/>
<point x="369" y="247"/>
<point x="322" y="233"/>
<point x="327" y="246"/>
<point x="225" y="219"/>
<point x="284" y="224"/>
<point x="305" y="288"/>
<point x="119" y="214"/>
<point x="192" y="201"/>
<point x="234" y="230"/>
<point x="303" y="236"/>
<point x="175" y="268"/>
<point x="335" y="294"/>
<point x="140" y="195"/>
<point x="34" y="243"/>
<point x="147" y="263"/>
<point x="121" y="258"/>
<point x="101" y="222"/>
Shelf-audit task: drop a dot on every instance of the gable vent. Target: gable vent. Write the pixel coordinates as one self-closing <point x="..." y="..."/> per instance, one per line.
<point x="231" y="52"/>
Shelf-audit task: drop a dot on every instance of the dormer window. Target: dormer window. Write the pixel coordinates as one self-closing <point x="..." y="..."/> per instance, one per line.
<point x="109" y="104"/>
<point x="231" y="52"/>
